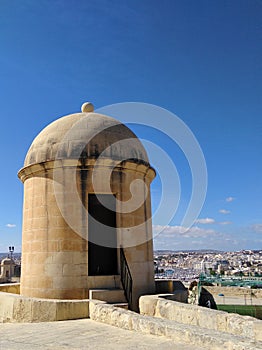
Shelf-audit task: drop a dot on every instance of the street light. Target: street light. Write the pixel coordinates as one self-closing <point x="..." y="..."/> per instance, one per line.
<point x="11" y="251"/>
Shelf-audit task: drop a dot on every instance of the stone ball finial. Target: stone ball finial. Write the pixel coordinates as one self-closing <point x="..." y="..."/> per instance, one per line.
<point x="87" y="107"/>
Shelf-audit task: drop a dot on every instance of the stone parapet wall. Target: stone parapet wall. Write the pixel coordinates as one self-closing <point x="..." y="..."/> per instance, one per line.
<point x="249" y="327"/>
<point x="234" y="291"/>
<point x="17" y="308"/>
<point x="178" y="332"/>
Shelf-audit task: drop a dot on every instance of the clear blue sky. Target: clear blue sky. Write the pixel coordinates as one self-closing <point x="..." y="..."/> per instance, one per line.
<point x="199" y="59"/>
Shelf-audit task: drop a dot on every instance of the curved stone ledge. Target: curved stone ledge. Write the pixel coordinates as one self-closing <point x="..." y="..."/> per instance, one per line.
<point x="40" y="169"/>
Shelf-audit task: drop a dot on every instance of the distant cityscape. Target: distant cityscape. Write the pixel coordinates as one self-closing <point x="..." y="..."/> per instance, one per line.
<point x="189" y="265"/>
<point x="16" y="256"/>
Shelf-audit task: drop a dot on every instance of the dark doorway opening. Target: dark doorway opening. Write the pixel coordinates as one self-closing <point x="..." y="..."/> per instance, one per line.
<point x="102" y="240"/>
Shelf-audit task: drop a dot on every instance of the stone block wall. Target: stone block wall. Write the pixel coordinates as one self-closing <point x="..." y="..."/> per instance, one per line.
<point x="234" y="324"/>
<point x="234" y="291"/>
<point x="179" y="332"/>
<point x="16" y="308"/>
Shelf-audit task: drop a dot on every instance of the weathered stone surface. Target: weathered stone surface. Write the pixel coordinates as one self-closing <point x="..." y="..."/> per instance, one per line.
<point x="14" y="308"/>
<point x="6" y="307"/>
<point x="22" y="310"/>
<point x="43" y="310"/>
<point x="205" y="318"/>
<point x="178" y="332"/>
<point x="147" y="305"/>
<point x="17" y="308"/>
<point x="257" y="328"/>
<point x="81" y="335"/>
<point x="221" y="321"/>
<point x="72" y="309"/>
<point x="243" y="325"/>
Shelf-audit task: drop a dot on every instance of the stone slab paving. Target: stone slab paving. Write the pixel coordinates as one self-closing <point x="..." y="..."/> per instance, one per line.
<point x="79" y="334"/>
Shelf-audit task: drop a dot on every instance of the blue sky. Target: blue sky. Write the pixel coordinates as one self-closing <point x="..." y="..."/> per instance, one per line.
<point x="199" y="59"/>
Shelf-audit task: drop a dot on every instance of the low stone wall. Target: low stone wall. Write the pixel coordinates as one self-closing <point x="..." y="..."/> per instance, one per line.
<point x="10" y="288"/>
<point x="249" y="327"/>
<point x="180" y="333"/>
<point x="17" y="308"/>
<point x="234" y="291"/>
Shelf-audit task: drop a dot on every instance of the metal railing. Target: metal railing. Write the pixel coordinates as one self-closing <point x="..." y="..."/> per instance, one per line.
<point x="126" y="277"/>
<point x="240" y="281"/>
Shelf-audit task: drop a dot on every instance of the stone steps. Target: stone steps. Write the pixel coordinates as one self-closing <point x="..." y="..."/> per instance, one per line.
<point x="111" y="296"/>
<point x="121" y="305"/>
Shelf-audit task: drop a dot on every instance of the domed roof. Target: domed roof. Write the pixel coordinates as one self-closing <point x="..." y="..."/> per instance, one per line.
<point x="85" y="135"/>
<point x="6" y="261"/>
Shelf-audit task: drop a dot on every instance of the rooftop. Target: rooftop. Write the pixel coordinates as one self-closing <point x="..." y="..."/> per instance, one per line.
<point x="85" y="135"/>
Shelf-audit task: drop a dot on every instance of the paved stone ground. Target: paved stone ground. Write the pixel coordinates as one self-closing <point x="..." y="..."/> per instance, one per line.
<point x="79" y="334"/>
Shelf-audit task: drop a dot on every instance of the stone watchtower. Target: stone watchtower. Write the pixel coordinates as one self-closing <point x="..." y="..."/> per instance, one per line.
<point x="87" y="210"/>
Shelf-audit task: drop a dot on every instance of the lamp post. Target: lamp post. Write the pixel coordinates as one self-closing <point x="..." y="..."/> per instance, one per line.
<point x="11" y="251"/>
